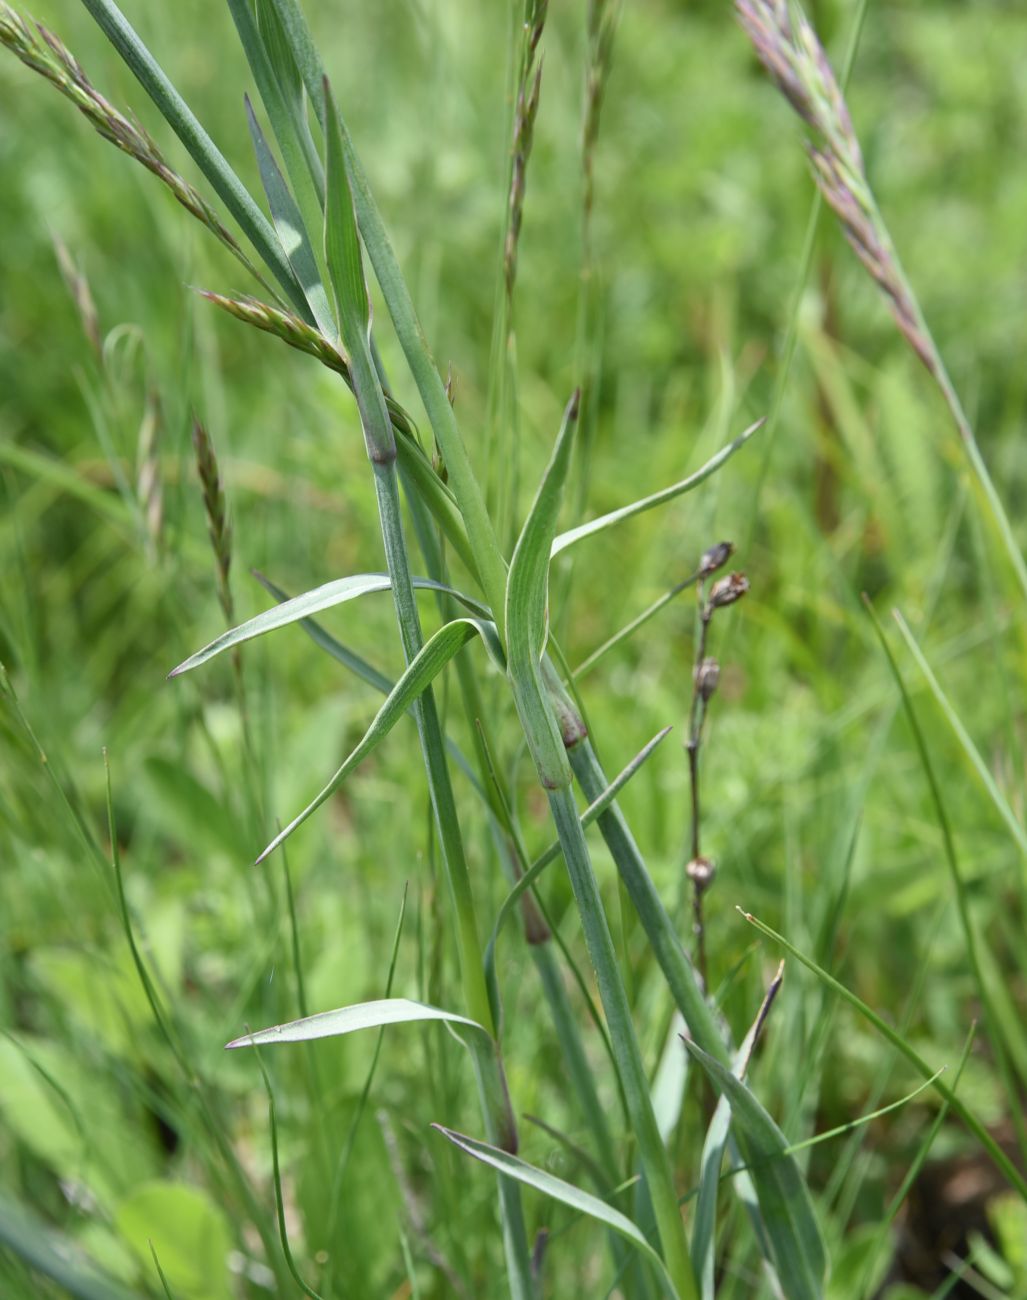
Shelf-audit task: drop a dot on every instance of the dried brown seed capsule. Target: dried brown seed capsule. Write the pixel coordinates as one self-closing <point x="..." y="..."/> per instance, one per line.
<point x="728" y="590"/>
<point x="707" y="675"/>
<point x="700" y="871"/>
<point x="715" y="558"/>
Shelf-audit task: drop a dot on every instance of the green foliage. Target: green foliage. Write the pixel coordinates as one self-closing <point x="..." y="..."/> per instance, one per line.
<point x="879" y="837"/>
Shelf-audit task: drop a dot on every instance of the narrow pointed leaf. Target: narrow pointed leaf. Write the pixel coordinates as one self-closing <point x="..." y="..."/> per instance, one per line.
<point x="309" y="604"/>
<point x="527" y="593"/>
<point x="347" y="1020"/>
<point x="423" y="669"/>
<point x="574" y="535"/>
<point x="559" y="1190"/>
<point x="292" y="233"/>
<point x="784" y="1200"/>
<point x="352" y="302"/>
<point x="201" y="147"/>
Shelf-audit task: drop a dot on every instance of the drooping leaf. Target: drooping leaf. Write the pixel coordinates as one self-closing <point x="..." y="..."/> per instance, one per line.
<point x="422" y="670"/>
<point x="308" y="604"/>
<point x="559" y="1190"/>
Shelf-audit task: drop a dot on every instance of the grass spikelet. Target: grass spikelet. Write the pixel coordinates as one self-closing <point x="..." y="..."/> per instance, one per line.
<point x="149" y="483"/>
<point x="43" y="52"/>
<point x="215" y="505"/>
<point x="529" y="88"/>
<point x="81" y="294"/>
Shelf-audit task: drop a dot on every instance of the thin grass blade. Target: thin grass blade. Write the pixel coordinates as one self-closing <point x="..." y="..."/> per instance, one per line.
<point x="527" y="594"/>
<point x="307" y="605"/>
<point x="575" y="535"/>
<point x="423" y="669"/>
<point x="558" y="1190"/>
<point x="204" y="152"/>
<point x="292" y="232"/>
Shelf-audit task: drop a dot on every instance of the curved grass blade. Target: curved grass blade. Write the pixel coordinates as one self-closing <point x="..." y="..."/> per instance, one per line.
<point x="423" y="669"/>
<point x="566" y="1193"/>
<point x="527" y="592"/>
<point x="348" y="1020"/>
<point x="786" y="1210"/>
<point x="308" y="604"/>
<point x="292" y="231"/>
<point x="998" y="1156"/>
<point x="204" y="152"/>
<point x="575" y="535"/>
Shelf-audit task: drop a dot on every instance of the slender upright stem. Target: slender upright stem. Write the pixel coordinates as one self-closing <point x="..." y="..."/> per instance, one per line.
<point x="652" y="1152"/>
<point x="496" y="1110"/>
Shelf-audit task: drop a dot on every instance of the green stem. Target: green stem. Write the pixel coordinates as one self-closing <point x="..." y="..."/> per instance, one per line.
<point x="652" y="1152"/>
<point x="497" y="1113"/>
<point x="673" y="961"/>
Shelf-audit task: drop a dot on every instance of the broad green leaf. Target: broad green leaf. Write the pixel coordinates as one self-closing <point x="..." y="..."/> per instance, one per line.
<point x="578" y="534"/>
<point x="558" y="1190"/>
<point x="201" y="147"/>
<point x="188" y="1232"/>
<point x="347" y="1020"/>
<point x="422" y="670"/>
<point x="786" y="1209"/>
<point x="292" y="232"/>
<point x="527" y="593"/>
<point x="308" y="604"/>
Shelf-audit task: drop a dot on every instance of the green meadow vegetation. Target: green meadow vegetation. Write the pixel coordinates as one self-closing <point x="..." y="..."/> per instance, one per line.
<point x="513" y="620"/>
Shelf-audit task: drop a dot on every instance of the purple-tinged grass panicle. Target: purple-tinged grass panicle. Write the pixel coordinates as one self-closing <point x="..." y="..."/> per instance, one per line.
<point x="791" y="52"/>
<point x="43" y="52"/>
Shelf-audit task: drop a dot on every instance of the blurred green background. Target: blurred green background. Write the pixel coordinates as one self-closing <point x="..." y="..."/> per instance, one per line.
<point x="817" y="810"/>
